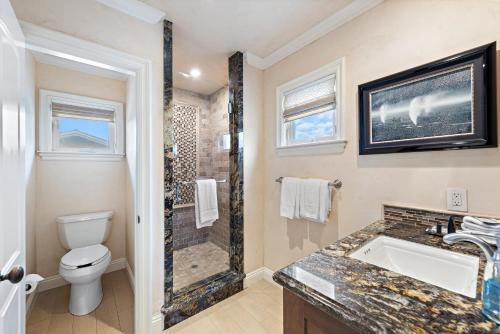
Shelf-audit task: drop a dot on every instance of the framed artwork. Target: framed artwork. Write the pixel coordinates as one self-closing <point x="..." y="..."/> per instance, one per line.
<point x="446" y="104"/>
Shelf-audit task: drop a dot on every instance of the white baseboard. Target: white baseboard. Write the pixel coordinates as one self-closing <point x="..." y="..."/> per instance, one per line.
<point x="257" y="275"/>
<point x="130" y="275"/>
<point x="56" y="281"/>
<point x="157" y="326"/>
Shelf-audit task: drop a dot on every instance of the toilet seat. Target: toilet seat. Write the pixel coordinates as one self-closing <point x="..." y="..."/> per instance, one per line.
<point x="84" y="257"/>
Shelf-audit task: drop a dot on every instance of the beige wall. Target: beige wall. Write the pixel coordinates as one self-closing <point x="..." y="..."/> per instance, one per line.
<point x="393" y="36"/>
<point x="253" y="167"/>
<point x="71" y="187"/>
<point x="30" y="169"/>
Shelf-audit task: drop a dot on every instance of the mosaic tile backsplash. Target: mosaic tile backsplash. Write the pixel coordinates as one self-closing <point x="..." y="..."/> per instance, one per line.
<point x="421" y="217"/>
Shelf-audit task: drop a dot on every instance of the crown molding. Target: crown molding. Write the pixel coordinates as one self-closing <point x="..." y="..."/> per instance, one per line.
<point x="331" y="23"/>
<point x="137" y="9"/>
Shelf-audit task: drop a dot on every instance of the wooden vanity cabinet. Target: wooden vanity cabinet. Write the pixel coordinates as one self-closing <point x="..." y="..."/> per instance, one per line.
<point x="301" y="317"/>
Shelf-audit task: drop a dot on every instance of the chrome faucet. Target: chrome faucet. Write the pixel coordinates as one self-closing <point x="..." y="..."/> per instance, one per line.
<point x="455" y="237"/>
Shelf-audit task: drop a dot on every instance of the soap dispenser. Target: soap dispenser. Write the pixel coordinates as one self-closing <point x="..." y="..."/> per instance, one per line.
<point x="491" y="286"/>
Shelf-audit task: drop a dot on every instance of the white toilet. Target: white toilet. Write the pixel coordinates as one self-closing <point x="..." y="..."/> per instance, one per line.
<point x="87" y="259"/>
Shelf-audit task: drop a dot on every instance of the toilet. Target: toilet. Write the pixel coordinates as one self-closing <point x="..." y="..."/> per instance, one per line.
<point x="87" y="260"/>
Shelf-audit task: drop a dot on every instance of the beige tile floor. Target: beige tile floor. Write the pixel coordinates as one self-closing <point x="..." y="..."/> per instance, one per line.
<point x="194" y="263"/>
<point x="256" y="310"/>
<point x="114" y="315"/>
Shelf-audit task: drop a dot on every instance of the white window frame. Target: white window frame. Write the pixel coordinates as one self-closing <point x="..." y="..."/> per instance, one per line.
<point x="45" y="133"/>
<point x="336" y="145"/>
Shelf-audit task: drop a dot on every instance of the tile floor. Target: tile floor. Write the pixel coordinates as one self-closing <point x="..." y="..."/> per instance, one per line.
<point x="115" y="315"/>
<point x="256" y="310"/>
<point x="197" y="262"/>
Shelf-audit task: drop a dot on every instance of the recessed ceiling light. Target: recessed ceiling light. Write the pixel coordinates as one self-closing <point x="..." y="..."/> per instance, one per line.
<point x="184" y="74"/>
<point x="195" y="73"/>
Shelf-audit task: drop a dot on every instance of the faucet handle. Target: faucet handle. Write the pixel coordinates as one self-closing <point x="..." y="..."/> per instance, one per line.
<point x="437" y="229"/>
<point x="451" y="225"/>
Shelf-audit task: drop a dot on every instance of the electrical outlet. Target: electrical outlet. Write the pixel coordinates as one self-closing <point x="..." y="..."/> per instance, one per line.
<point x="456" y="199"/>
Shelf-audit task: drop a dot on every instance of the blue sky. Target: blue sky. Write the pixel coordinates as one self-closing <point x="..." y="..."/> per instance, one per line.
<point x="314" y="126"/>
<point x="94" y="128"/>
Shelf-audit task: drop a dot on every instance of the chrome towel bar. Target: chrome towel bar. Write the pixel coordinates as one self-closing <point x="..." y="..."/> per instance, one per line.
<point x="193" y="182"/>
<point x="337" y="184"/>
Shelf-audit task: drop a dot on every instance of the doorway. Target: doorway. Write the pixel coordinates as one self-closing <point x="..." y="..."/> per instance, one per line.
<point x="127" y="280"/>
<point x="203" y="143"/>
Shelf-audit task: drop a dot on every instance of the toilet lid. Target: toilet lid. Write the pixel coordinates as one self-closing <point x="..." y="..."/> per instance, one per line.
<point x="84" y="256"/>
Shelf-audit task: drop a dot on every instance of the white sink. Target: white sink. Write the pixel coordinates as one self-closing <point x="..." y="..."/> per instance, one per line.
<point x="449" y="270"/>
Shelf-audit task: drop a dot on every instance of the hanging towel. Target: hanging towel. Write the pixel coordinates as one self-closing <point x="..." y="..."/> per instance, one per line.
<point x="205" y="202"/>
<point x="315" y="200"/>
<point x="289" y="204"/>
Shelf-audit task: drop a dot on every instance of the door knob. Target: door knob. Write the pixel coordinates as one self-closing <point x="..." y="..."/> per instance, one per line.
<point x="15" y="275"/>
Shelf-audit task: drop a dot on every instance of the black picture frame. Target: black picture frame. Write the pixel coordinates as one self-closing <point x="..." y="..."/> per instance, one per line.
<point x="454" y="99"/>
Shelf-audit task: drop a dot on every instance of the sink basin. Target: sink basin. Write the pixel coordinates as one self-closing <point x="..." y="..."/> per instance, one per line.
<point x="448" y="270"/>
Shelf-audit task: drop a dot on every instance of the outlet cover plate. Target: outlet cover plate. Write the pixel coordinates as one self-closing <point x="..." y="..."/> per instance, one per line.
<point x="456" y="199"/>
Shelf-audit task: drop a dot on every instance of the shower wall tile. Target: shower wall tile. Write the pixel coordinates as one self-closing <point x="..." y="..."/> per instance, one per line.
<point x="185" y="232"/>
<point x="219" y="169"/>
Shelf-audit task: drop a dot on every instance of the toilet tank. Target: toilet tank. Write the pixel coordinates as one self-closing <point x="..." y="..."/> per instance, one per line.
<point x="85" y="229"/>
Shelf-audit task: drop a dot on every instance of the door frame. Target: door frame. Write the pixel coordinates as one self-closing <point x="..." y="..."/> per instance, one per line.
<point x="57" y="44"/>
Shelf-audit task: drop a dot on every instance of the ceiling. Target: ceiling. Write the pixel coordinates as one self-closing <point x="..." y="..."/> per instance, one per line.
<point x="207" y="32"/>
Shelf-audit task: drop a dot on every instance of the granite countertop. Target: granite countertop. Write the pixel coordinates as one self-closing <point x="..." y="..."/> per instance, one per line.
<point x="374" y="300"/>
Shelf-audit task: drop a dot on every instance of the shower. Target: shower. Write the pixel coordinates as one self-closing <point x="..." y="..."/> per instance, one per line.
<point x="200" y="130"/>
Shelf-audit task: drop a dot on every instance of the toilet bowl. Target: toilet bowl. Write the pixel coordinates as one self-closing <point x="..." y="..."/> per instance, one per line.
<point x="83" y="268"/>
<point x="87" y="259"/>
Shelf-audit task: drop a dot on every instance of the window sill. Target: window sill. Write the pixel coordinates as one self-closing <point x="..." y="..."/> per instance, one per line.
<point x="328" y="147"/>
<point x="81" y="156"/>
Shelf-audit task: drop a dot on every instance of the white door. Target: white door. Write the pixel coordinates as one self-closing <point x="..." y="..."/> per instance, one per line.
<point x="12" y="224"/>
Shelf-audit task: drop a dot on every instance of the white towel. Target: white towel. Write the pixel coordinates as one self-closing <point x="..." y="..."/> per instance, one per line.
<point x="315" y="200"/>
<point x="289" y="203"/>
<point x="205" y="202"/>
<point x="485" y="223"/>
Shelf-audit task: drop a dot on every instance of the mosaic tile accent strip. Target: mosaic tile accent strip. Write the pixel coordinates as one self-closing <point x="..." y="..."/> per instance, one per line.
<point x="185" y="137"/>
<point x="168" y="158"/>
<point x="420" y="217"/>
<point x="185" y="232"/>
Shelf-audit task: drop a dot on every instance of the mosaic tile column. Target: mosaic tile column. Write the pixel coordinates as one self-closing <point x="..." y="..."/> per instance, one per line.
<point x="236" y="161"/>
<point x="168" y="158"/>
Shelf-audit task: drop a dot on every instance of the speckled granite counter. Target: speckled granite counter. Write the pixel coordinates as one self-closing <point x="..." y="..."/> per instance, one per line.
<point x="374" y="300"/>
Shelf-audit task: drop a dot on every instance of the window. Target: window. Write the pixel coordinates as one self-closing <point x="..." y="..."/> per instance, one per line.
<point x="309" y="112"/>
<point x="79" y="127"/>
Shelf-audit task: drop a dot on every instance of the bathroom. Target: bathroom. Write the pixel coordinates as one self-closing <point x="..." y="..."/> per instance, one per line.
<point x="216" y="92"/>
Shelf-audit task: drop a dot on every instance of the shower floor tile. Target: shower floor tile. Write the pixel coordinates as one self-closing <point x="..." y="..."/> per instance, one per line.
<point x="194" y="263"/>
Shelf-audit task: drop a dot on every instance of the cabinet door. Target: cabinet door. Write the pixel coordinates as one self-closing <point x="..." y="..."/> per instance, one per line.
<point x="300" y="317"/>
